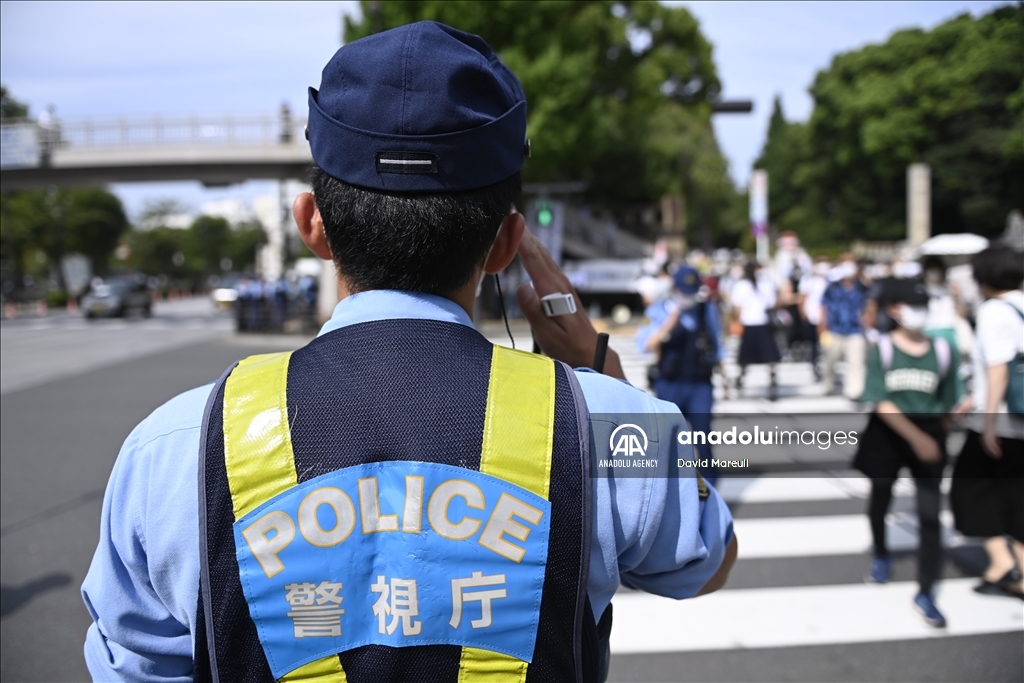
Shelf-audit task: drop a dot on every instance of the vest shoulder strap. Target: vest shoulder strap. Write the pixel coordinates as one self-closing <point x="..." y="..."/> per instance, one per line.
<point x="942" y="353"/>
<point x="885" y="352"/>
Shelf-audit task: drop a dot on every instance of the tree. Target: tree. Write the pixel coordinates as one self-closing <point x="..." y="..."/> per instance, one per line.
<point x="189" y="256"/>
<point x="618" y="92"/>
<point x="792" y="196"/>
<point x="58" y="222"/>
<point x="208" y="243"/>
<point x="245" y="241"/>
<point x="952" y="97"/>
<point x="11" y="108"/>
<point x="97" y="223"/>
<point x="160" y="251"/>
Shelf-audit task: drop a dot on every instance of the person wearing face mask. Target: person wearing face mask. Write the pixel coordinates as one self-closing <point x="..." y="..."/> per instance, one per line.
<point x="912" y="381"/>
<point x="943" y="318"/>
<point x="752" y="297"/>
<point x="689" y="347"/>
<point x="842" y="305"/>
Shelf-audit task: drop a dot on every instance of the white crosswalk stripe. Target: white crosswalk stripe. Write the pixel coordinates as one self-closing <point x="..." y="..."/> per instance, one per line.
<point x="812" y="615"/>
<point x="775" y="537"/>
<point x="808" y="615"/>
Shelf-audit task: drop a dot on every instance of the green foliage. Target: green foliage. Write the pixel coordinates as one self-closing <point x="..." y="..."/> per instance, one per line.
<point x="618" y="92"/>
<point x="188" y="257"/>
<point x="208" y="239"/>
<point x="11" y="108"/>
<point x="160" y="251"/>
<point x="952" y="97"/>
<point x="88" y="221"/>
<point x="242" y="246"/>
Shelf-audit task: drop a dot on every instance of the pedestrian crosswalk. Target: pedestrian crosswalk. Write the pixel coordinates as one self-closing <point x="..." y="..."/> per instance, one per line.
<point x="797" y="590"/>
<point x="812" y="615"/>
<point x="794" y="615"/>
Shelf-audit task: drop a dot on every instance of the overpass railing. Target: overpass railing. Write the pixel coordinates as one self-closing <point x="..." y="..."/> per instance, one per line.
<point x="29" y="143"/>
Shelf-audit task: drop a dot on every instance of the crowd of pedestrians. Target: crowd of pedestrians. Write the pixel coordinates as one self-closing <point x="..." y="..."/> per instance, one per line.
<point x="922" y="347"/>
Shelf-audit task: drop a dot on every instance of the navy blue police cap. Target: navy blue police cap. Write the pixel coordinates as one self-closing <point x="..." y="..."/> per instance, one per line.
<point x="420" y="108"/>
<point x="687" y="280"/>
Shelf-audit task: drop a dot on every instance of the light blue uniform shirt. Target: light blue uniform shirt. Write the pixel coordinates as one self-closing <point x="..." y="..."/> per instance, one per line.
<point x="142" y="589"/>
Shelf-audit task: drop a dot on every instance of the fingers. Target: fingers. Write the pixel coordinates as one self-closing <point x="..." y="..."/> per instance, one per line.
<point x="529" y="304"/>
<point x="547" y="277"/>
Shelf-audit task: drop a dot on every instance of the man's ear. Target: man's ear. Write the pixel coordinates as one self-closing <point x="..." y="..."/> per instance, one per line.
<point x="506" y="243"/>
<point x="311" y="225"/>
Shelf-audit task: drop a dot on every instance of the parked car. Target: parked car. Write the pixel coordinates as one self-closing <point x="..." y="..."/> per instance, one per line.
<point x="118" y="297"/>
<point x="225" y="291"/>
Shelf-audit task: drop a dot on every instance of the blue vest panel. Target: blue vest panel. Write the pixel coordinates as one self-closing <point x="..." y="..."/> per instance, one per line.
<point x="398" y="554"/>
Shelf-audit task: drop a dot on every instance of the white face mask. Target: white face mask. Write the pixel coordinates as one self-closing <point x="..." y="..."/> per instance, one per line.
<point x="913" y="318"/>
<point x="847" y="270"/>
<point x="686" y="301"/>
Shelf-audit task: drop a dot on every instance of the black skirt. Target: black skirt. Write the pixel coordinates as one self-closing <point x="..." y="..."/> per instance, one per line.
<point x="758" y="346"/>
<point x="881" y="452"/>
<point x="988" y="494"/>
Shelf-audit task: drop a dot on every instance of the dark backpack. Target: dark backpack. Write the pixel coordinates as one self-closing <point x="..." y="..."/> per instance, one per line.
<point x="1015" y="385"/>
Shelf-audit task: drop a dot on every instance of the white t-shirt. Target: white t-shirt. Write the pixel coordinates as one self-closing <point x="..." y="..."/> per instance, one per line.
<point x="999" y="336"/>
<point x="813" y="287"/>
<point x="753" y="304"/>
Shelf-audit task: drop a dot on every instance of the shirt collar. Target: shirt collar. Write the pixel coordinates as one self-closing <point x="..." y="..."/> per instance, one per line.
<point x="388" y="304"/>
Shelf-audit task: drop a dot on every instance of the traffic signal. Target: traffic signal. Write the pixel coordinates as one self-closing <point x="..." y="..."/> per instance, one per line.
<point x="545" y="213"/>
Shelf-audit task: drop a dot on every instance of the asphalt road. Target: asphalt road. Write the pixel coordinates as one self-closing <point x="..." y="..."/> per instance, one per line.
<point x="58" y="442"/>
<point x="76" y="391"/>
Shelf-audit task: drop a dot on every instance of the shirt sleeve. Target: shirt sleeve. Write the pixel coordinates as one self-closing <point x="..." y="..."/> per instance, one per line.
<point x="874" y="385"/>
<point x="998" y="332"/>
<point x="653" y="533"/>
<point x="656" y="315"/>
<point x="739" y="294"/>
<point x="142" y="587"/>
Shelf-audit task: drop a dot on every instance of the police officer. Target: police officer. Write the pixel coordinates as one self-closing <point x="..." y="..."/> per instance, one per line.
<point x="399" y="499"/>
<point x="689" y="347"/>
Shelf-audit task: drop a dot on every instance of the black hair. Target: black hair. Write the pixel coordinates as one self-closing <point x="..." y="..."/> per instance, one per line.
<point x="910" y="292"/>
<point x="750" y="272"/>
<point x="413" y="241"/>
<point x="1000" y="268"/>
<point x="934" y="263"/>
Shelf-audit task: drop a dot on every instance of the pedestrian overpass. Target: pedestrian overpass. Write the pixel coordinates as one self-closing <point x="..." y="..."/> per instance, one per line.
<point x="216" y="151"/>
<point x="225" y="150"/>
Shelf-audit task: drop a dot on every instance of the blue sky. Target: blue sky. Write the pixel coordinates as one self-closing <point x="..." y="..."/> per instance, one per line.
<point x="106" y="60"/>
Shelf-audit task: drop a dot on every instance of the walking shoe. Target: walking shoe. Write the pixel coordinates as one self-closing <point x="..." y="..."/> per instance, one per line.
<point x="880" y="569"/>
<point x="925" y="606"/>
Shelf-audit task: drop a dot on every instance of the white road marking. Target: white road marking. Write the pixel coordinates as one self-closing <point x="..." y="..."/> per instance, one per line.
<point x="829" y="535"/>
<point x="801" y="486"/>
<point x="813" y="615"/>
